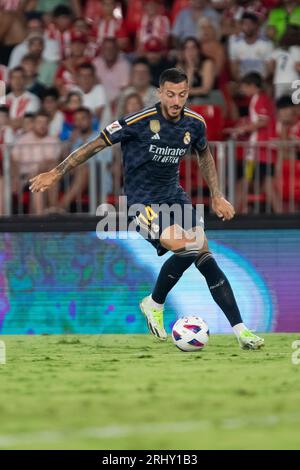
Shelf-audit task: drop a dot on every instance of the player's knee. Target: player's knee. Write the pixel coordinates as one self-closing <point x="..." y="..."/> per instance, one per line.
<point x="202" y="257"/>
<point x="190" y="249"/>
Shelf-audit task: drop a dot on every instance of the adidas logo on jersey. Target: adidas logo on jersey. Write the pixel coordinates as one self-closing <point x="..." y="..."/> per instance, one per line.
<point x="155" y="136"/>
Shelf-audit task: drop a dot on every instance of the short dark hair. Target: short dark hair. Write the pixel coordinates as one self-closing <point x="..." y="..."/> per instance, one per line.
<point x="41" y="113"/>
<point x="52" y="91"/>
<point x="172" y="75"/>
<point x="29" y="114"/>
<point x="4" y="109"/>
<point x="88" y="66"/>
<point x="62" y="10"/>
<point x="141" y="60"/>
<point x="253" y="78"/>
<point x="30" y="57"/>
<point x="17" y="69"/>
<point x="83" y="109"/>
<point x="250" y="16"/>
<point x="284" y="101"/>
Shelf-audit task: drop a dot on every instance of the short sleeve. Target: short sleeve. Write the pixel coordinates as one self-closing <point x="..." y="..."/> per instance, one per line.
<point x="200" y="141"/>
<point x="263" y="107"/>
<point x="118" y="131"/>
<point x="233" y="49"/>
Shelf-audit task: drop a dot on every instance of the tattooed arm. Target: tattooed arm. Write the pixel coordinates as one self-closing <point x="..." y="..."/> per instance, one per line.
<point x="209" y="172"/>
<point x="45" y="180"/>
<point x="207" y="165"/>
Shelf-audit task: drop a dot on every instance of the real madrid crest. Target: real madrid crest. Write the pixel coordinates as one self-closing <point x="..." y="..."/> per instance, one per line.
<point x="155" y="126"/>
<point x="187" y="138"/>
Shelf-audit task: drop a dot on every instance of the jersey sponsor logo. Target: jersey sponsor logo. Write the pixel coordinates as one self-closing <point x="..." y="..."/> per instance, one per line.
<point x="114" y="127"/>
<point x="166" y="154"/>
<point x="155" y="137"/>
<point x="187" y="138"/>
<point x="155" y="126"/>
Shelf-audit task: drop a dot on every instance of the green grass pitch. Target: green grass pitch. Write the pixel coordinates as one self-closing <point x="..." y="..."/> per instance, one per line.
<point x="132" y="392"/>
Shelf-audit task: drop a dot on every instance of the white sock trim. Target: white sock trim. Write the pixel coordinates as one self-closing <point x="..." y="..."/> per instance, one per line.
<point x="239" y="328"/>
<point x="154" y="304"/>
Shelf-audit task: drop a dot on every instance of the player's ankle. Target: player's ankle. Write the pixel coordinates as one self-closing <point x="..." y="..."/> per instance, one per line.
<point x="239" y="328"/>
<point x="154" y="304"/>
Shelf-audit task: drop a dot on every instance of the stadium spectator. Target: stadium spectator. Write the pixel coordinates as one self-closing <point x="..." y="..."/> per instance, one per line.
<point x="35" y="151"/>
<point x="288" y="121"/>
<point x="247" y="51"/>
<point x="81" y="27"/>
<point x="132" y="104"/>
<point x="30" y="67"/>
<point x="50" y="104"/>
<point x="19" y="100"/>
<point x="287" y="142"/>
<point x="112" y="70"/>
<point x="6" y="138"/>
<point x="284" y="62"/>
<point x="46" y="6"/>
<point x="27" y="124"/>
<point x="60" y="28"/>
<point x="186" y="23"/>
<point x="201" y="73"/>
<point x="153" y="24"/>
<point x="6" y="132"/>
<point x="82" y="133"/>
<point x="72" y="103"/>
<point x="12" y="32"/>
<point x="176" y="6"/>
<point x="140" y="83"/>
<point x="134" y="13"/>
<point x="211" y="47"/>
<point x="111" y="26"/>
<point x="288" y="13"/>
<point x="260" y="128"/>
<point x="235" y="10"/>
<point x="46" y="68"/>
<point x="34" y="27"/>
<point x="65" y="78"/>
<point x="156" y="55"/>
<point x="93" y="94"/>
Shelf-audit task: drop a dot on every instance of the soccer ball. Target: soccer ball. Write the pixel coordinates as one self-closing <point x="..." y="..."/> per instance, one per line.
<point x="190" y="333"/>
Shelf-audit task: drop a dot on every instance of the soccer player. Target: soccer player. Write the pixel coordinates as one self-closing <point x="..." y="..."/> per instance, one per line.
<point x="153" y="141"/>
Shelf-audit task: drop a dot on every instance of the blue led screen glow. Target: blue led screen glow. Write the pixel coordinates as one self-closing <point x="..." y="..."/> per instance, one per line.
<point x="77" y="283"/>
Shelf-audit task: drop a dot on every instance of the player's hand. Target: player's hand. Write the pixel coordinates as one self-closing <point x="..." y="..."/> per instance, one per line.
<point x="43" y="181"/>
<point x="223" y="208"/>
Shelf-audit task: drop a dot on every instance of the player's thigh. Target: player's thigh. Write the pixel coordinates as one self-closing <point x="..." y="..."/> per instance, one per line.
<point x="175" y="238"/>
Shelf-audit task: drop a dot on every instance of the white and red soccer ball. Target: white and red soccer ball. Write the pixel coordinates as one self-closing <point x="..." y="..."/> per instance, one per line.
<point x="190" y="333"/>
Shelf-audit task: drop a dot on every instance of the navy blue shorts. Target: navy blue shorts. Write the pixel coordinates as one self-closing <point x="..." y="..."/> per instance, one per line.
<point x="153" y="219"/>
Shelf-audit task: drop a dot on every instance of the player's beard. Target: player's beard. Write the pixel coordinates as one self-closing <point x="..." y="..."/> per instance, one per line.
<point x="174" y="112"/>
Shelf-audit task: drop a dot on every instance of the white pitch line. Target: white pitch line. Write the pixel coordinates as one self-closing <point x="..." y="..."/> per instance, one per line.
<point x="119" y="431"/>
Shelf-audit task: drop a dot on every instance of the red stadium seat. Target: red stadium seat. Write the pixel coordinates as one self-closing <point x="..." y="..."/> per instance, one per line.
<point x="214" y="118"/>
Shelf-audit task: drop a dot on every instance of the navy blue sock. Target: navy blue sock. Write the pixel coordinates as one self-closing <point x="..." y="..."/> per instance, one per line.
<point x="219" y="287"/>
<point x="170" y="274"/>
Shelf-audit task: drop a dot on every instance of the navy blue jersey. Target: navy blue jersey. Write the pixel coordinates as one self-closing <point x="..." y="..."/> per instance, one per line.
<point x="152" y="148"/>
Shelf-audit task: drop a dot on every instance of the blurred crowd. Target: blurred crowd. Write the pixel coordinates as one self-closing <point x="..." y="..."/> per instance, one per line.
<point x="72" y="66"/>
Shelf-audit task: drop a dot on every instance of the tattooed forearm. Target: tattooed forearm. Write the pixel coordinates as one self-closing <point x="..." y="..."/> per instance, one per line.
<point x="209" y="172"/>
<point x="80" y="155"/>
